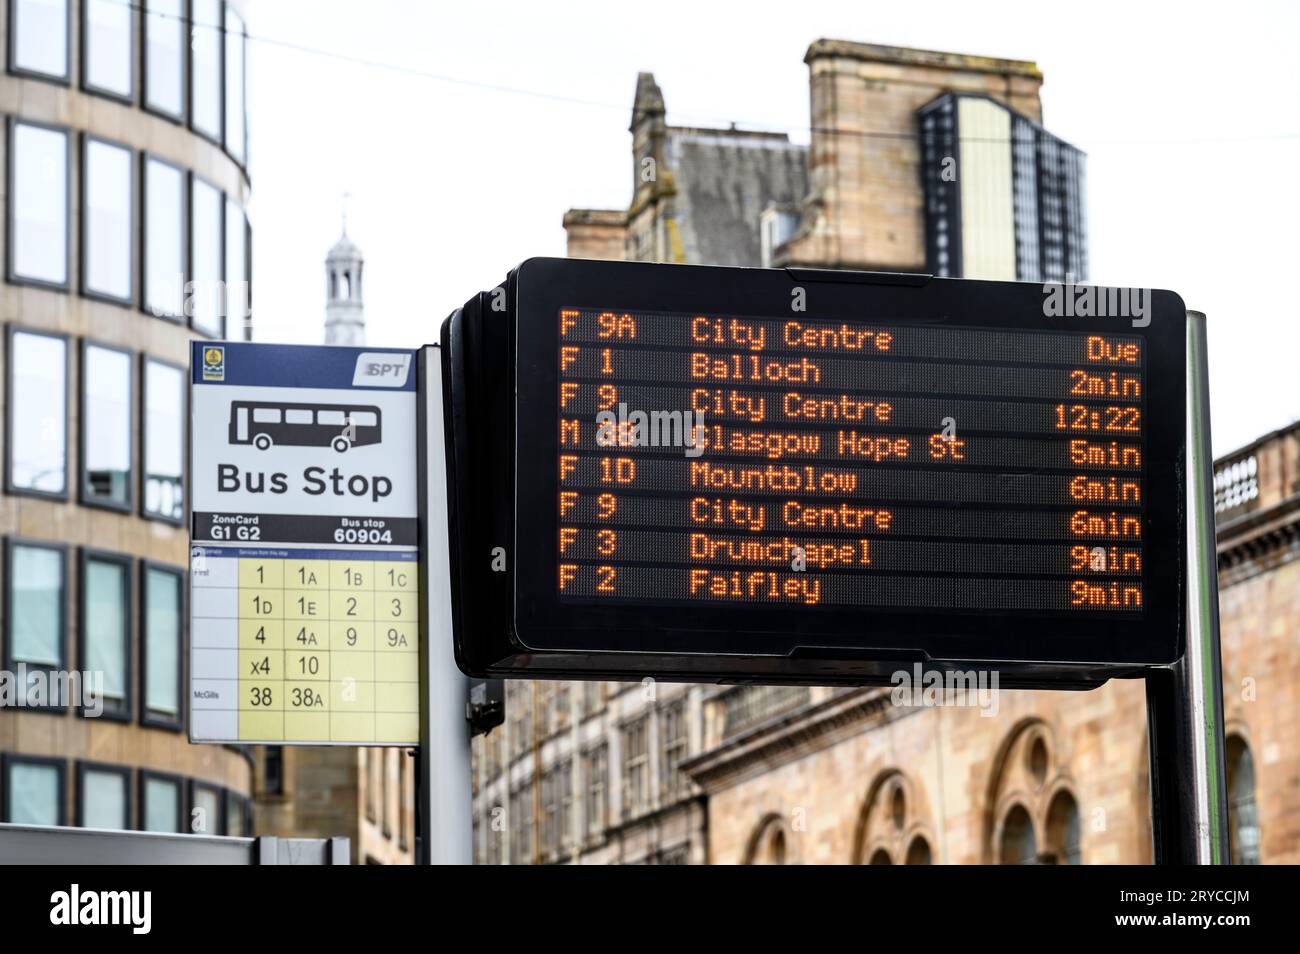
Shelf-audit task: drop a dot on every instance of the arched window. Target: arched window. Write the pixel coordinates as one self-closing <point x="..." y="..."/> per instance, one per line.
<point x="1243" y="818"/>
<point x="769" y="845"/>
<point x="1018" y="846"/>
<point x="1063" y="830"/>
<point x="1031" y="797"/>
<point x="918" y="852"/>
<point x="892" y="823"/>
<point x="1038" y="760"/>
<point x="776" y="848"/>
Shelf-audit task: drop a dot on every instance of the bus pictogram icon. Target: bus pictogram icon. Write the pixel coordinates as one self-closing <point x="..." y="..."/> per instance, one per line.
<point x="264" y="424"/>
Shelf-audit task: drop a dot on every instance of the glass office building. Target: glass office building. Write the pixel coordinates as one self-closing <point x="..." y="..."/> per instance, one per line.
<point x="125" y="154"/>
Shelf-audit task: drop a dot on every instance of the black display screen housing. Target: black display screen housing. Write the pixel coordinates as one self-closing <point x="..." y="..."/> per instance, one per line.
<point x="501" y="406"/>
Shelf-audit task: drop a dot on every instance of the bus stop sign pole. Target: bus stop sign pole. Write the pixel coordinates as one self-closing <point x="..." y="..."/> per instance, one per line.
<point x="444" y="808"/>
<point x="1189" y="812"/>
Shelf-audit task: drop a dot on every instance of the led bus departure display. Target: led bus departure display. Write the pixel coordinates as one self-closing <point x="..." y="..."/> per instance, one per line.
<point x="927" y="465"/>
<point x="740" y="460"/>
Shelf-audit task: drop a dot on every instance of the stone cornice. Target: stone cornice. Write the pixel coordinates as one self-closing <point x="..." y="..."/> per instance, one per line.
<point x="806" y="729"/>
<point x="606" y="217"/>
<point x="1261" y="536"/>
<point x="906" y="56"/>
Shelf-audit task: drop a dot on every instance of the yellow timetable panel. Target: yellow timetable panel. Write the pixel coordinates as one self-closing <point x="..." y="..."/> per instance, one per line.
<point x="305" y="645"/>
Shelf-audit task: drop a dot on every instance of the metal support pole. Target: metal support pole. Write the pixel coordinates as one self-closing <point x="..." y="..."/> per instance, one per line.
<point x="444" y="807"/>
<point x="1189" y="805"/>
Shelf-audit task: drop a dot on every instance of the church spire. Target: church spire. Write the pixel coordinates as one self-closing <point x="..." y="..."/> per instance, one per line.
<point x="345" y="321"/>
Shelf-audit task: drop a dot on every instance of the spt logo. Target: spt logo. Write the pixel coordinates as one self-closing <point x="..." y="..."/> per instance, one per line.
<point x="381" y="369"/>
<point x="214" y="363"/>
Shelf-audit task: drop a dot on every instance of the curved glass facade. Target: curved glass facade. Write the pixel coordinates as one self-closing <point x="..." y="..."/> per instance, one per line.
<point x="125" y="155"/>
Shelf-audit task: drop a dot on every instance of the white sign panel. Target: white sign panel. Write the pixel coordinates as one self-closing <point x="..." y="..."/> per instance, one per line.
<point x="304" y="547"/>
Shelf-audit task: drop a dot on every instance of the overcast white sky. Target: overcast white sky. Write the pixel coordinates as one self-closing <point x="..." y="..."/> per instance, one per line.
<point x="1190" y="115"/>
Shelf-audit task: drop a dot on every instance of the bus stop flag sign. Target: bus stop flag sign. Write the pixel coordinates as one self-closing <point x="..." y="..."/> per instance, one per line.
<point x="304" y="549"/>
